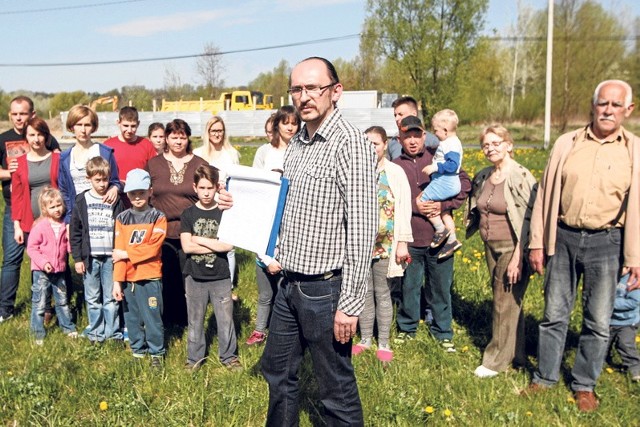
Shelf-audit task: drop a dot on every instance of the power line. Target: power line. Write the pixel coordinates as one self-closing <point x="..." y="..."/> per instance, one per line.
<point x="81" y="6"/>
<point x="168" y="58"/>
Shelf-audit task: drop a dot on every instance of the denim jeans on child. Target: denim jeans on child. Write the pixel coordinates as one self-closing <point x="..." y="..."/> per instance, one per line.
<point x="199" y="293"/>
<point x="102" y="308"/>
<point x="42" y="287"/>
<point x="303" y="317"/>
<point x="143" y="316"/>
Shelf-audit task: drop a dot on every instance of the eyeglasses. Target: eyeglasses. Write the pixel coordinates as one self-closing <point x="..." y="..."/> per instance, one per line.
<point x="312" y="90"/>
<point x="493" y="144"/>
<point x="216" y="131"/>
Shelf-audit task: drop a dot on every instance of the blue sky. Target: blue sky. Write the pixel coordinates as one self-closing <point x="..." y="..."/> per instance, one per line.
<point x="137" y="29"/>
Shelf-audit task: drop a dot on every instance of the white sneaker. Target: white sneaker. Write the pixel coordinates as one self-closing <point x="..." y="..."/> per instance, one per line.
<point x="482" y="372"/>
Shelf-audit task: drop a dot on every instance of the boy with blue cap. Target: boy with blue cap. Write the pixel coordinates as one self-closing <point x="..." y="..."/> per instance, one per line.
<point x="137" y="272"/>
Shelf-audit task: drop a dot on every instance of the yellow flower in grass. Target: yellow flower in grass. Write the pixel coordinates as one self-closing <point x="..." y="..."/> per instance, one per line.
<point x="104" y="406"/>
<point x="529" y="414"/>
<point x="465" y="348"/>
<point x="609" y="371"/>
<point x="447" y="412"/>
<point x="429" y="409"/>
<point x="571" y="400"/>
<point x="638" y="339"/>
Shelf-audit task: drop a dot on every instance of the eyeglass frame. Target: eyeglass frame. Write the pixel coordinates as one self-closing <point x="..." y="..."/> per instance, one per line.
<point x="296" y="91"/>
<point x="494" y="144"/>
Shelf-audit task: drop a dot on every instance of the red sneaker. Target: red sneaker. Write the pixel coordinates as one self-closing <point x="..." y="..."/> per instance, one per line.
<point x="256" y="338"/>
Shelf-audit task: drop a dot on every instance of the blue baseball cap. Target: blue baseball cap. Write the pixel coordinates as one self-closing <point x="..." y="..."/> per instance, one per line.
<point x="137" y="179"/>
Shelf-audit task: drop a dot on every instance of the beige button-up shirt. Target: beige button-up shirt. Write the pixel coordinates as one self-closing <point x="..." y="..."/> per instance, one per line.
<point x="595" y="180"/>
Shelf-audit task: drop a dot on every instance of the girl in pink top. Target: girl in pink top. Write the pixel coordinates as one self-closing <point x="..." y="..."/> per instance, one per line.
<point x="48" y="247"/>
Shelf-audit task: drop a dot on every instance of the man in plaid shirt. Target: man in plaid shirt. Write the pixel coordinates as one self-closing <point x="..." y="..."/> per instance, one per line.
<point x="328" y="229"/>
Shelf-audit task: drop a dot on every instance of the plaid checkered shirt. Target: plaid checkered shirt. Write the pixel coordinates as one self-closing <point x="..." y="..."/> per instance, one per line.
<point x="331" y="215"/>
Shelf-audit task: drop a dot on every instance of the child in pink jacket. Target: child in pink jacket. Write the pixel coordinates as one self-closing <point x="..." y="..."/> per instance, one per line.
<point x="48" y="247"/>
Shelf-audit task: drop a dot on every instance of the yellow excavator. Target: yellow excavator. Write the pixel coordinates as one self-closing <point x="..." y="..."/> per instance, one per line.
<point x="113" y="100"/>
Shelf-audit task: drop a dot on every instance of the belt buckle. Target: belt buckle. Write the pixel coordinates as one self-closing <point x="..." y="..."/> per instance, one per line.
<point x="328" y="275"/>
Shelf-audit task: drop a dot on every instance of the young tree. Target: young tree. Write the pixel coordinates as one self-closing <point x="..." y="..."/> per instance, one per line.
<point x="210" y="68"/>
<point x="429" y="39"/>
<point x="274" y="82"/>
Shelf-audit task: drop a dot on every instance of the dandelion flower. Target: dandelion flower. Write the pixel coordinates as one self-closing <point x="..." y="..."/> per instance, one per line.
<point x="465" y="348"/>
<point x="638" y="339"/>
<point x="429" y="409"/>
<point x="609" y="371"/>
<point x="571" y="400"/>
<point x="104" y="406"/>
<point x="447" y="412"/>
<point x="529" y="414"/>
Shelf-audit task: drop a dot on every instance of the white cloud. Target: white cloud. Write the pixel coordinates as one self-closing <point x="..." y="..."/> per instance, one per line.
<point x="162" y="24"/>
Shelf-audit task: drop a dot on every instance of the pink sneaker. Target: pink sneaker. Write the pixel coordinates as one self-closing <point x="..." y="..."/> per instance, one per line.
<point x="256" y="338"/>
<point x="358" y="348"/>
<point x="384" y="355"/>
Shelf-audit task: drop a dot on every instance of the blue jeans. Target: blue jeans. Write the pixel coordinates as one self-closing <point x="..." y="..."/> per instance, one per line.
<point x="303" y="316"/>
<point x="143" y="316"/>
<point x="41" y="288"/>
<point x="439" y="278"/>
<point x="199" y="293"/>
<point x="594" y="256"/>
<point x="10" y="276"/>
<point x="102" y="308"/>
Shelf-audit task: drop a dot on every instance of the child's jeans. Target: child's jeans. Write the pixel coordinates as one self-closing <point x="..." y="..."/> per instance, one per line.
<point x="198" y="296"/>
<point x="43" y="284"/>
<point x="102" y="308"/>
<point x="143" y="316"/>
<point x="441" y="187"/>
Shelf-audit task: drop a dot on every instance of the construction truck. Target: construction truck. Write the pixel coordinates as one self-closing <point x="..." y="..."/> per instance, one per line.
<point x="113" y="100"/>
<point x="238" y="100"/>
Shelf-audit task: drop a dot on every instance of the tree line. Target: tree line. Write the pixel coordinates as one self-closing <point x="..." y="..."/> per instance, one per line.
<point x="435" y="50"/>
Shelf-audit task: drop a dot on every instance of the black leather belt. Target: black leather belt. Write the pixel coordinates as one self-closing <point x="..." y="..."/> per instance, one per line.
<point x="584" y="230"/>
<point x="299" y="277"/>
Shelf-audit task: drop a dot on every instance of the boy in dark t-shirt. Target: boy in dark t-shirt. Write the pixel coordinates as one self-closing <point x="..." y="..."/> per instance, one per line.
<point x="207" y="273"/>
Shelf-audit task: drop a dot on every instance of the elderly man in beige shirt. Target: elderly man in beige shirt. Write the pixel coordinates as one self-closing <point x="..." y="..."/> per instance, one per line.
<point x="589" y="194"/>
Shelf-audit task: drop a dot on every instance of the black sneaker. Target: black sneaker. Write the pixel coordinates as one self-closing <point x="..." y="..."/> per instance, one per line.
<point x="5" y="317"/>
<point x="156" y="362"/>
<point x="449" y="248"/>
<point x="439" y="237"/>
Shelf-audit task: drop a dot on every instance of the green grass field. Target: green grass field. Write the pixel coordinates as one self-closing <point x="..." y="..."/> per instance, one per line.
<point x="69" y="382"/>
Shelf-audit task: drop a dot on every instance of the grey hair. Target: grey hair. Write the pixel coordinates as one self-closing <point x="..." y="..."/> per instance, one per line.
<point x="628" y="99"/>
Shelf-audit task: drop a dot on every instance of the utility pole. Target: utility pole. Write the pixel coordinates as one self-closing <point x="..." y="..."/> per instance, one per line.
<point x="547" y="95"/>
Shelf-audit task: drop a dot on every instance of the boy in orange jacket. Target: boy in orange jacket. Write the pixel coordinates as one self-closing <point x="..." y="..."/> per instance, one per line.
<point x="137" y="271"/>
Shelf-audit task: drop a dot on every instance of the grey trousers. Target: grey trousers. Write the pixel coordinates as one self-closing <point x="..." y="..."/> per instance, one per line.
<point x="377" y="304"/>
<point x="623" y="338"/>
<point x="507" y="344"/>
<point x="198" y="296"/>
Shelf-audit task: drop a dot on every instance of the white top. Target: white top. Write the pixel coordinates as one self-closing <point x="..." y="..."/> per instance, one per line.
<point x="269" y="157"/>
<point x="79" y="172"/>
<point x="225" y="158"/>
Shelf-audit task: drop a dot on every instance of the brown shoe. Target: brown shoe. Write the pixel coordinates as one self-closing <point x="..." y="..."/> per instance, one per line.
<point x="534" y="388"/>
<point x="586" y="401"/>
<point x="48" y="317"/>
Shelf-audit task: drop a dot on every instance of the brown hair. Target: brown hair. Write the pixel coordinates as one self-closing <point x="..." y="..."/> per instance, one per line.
<point x="98" y="166"/>
<point x="79" y="112"/>
<point x="41" y="126"/>
<point x="210" y="173"/>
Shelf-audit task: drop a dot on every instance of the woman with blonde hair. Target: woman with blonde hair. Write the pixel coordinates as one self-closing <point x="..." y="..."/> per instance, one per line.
<point x="216" y="148"/>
